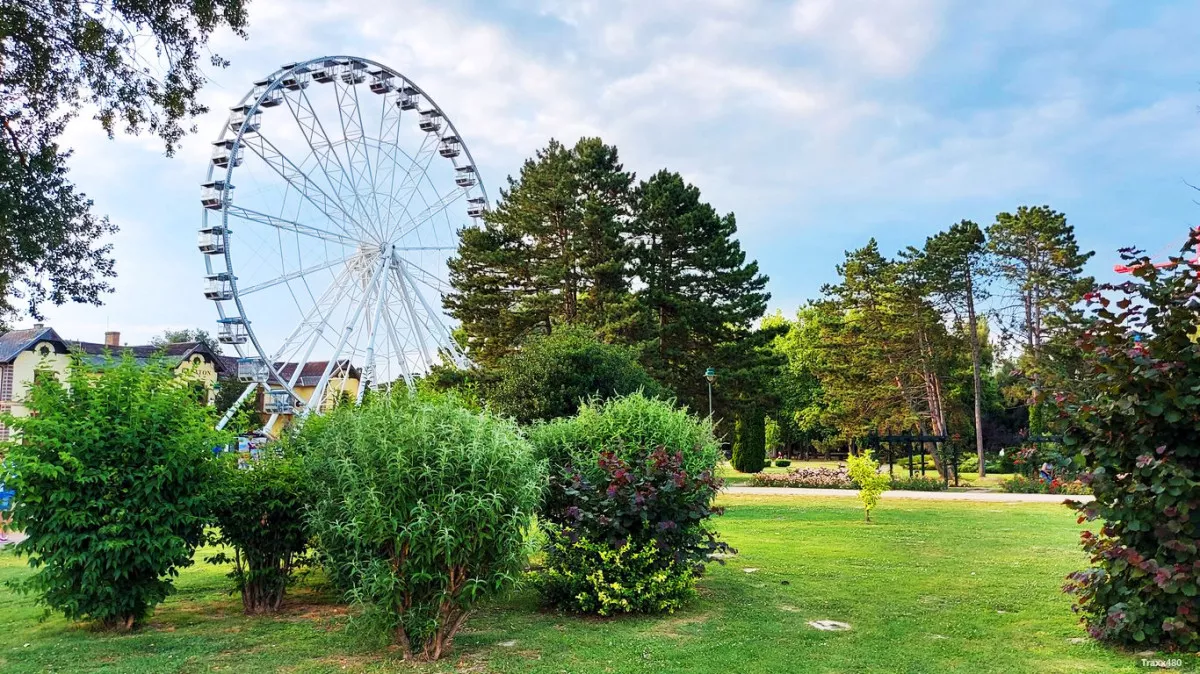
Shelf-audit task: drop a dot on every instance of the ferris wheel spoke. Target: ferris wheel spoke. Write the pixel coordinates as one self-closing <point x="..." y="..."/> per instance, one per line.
<point x="295" y="227"/>
<point x="333" y="291"/>
<point x="385" y="152"/>
<point x="416" y="181"/>
<point x="325" y="152"/>
<point x="431" y="212"/>
<point x="298" y="180"/>
<point x="293" y="275"/>
<point x="413" y="176"/>
<point x="443" y="334"/>
<point x="356" y="151"/>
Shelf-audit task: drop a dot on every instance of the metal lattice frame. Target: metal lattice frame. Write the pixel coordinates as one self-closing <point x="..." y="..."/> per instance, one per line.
<point x="366" y="198"/>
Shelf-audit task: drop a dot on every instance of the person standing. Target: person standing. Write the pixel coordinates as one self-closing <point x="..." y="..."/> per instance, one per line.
<point x="6" y="501"/>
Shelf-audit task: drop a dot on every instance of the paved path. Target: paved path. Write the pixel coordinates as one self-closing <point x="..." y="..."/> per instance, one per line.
<point x="982" y="496"/>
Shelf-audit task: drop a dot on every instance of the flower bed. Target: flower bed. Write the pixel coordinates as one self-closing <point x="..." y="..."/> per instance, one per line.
<point x="812" y="478"/>
<point x="838" y="478"/>
<point x="1020" y="484"/>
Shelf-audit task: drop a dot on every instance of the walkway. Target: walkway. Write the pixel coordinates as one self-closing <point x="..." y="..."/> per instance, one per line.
<point x="981" y="496"/>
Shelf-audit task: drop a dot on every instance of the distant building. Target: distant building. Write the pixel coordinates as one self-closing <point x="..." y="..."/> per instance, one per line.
<point x="40" y="347"/>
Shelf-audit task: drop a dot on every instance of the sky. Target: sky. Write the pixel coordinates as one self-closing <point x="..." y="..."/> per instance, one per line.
<point x="819" y="123"/>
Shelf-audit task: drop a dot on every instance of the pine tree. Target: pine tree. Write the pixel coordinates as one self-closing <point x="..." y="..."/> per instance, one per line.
<point x="699" y="296"/>
<point x="1039" y="260"/>
<point x="552" y="253"/>
<point x="954" y="266"/>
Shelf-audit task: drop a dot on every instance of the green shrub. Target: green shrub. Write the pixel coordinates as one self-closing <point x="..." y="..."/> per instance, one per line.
<point x="552" y="374"/>
<point x="917" y="483"/>
<point x="109" y="475"/>
<point x="782" y="463"/>
<point x="631" y="491"/>
<point x="421" y="509"/>
<point x="599" y="578"/>
<point x="259" y="511"/>
<point x="750" y="442"/>
<point x="1130" y="414"/>
<point x="871" y="483"/>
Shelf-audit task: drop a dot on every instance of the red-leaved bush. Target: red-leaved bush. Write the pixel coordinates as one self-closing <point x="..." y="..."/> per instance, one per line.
<point x="1131" y="408"/>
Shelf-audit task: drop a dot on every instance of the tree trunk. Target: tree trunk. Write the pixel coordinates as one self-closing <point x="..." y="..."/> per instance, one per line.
<point x="973" y="326"/>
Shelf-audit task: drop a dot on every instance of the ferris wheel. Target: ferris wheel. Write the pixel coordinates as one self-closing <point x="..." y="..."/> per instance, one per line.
<point x="327" y="263"/>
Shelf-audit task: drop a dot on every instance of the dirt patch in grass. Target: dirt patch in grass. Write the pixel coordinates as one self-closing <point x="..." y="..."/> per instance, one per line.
<point x="673" y="628"/>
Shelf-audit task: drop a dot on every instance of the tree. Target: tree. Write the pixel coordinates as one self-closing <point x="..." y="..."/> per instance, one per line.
<point x="954" y="266"/>
<point x="749" y="446"/>
<point x="802" y="410"/>
<point x="109" y="473"/>
<point x="1039" y="260"/>
<point x="260" y="514"/>
<point x="552" y="253"/>
<point x="864" y="470"/>
<point x="553" y="374"/>
<point x="54" y="59"/>
<point x="175" y="336"/>
<point x="699" y="297"/>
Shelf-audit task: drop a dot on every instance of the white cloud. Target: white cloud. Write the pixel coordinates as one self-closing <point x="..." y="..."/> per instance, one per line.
<point x="883" y="37"/>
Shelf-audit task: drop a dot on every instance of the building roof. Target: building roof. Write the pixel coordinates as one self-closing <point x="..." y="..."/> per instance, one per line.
<point x="13" y="342"/>
<point x="311" y="373"/>
<point x="174" y="352"/>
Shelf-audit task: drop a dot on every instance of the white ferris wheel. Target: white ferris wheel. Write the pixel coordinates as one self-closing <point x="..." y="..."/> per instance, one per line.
<point x="329" y="257"/>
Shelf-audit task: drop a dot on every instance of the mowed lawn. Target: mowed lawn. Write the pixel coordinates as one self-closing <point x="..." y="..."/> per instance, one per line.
<point x="928" y="587"/>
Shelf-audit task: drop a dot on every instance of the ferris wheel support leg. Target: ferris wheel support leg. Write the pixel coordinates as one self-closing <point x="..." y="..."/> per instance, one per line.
<point x="449" y="344"/>
<point x="319" y="391"/>
<point x="369" y="374"/>
<point x="250" y="388"/>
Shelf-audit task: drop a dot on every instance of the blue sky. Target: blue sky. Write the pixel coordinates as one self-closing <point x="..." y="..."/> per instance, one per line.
<point x="820" y="123"/>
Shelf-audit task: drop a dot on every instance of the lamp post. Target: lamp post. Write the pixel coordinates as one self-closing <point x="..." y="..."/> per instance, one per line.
<point x="711" y="375"/>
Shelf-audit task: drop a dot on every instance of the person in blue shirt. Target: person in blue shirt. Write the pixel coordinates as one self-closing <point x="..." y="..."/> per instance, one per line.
<point x="6" y="499"/>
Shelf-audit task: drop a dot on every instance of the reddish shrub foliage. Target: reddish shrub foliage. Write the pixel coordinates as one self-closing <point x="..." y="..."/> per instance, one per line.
<point x="1131" y="408"/>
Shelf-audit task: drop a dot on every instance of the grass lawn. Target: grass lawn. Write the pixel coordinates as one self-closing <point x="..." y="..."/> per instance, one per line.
<point x="928" y="587"/>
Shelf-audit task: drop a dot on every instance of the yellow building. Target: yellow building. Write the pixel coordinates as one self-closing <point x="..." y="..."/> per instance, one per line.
<point x="344" y="380"/>
<point x="40" y="347"/>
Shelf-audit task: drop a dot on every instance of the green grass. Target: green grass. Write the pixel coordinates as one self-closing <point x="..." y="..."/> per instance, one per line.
<point x="928" y="587"/>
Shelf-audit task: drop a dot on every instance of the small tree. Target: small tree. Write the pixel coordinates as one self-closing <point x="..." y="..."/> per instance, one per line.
<point x="864" y="471"/>
<point x="420" y="508"/>
<point x="551" y="375"/>
<point x="110" y="475"/>
<point x="1131" y="412"/>
<point x="259" y="510"/>
<point x="749" y="446"/>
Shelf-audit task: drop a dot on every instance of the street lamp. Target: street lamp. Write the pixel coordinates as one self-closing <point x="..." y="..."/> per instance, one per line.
<point x="711" y="375"/>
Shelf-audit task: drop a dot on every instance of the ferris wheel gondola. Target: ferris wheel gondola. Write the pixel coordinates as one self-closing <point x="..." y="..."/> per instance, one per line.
<point x="330" y="255"/>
